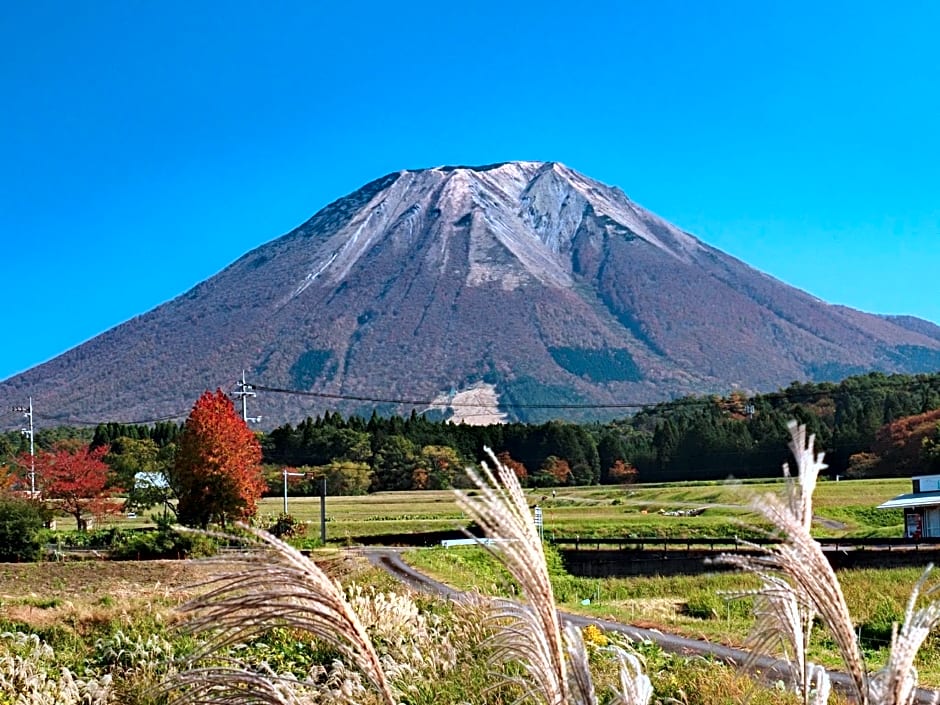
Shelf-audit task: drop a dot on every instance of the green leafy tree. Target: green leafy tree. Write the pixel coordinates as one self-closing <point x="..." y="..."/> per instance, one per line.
<point x="142" y="466"/>
<point x="347" y="477"/>
<point x="20" y="522"/>
<point x="437" y="468"/>
<point x="610" y="449"/>
<point x="11" y="445"/>
<point x="217" y="473"/>
<point x="553" y="471"/>
<point x="931" y="451"/>
<point x="394" y="463"/>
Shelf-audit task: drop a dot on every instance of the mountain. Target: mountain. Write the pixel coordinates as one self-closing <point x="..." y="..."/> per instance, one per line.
<point x="524" y="281"/>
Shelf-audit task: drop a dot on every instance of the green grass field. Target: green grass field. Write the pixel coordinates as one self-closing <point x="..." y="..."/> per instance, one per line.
<point x="845" y="508"/>
<point x="848" y="508"/>
<point x="698" y="606"/>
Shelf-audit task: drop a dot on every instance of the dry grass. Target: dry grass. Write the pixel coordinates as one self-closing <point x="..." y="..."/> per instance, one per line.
<point x="277" y="588"/>
<point x="83" y="595"/>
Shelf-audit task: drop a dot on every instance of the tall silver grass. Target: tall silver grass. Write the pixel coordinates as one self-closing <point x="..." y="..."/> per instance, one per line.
<point x="280" y="587"/>
<point x="277" y="587"/>
<point x="896" y="683"/>
<point x="221" y="685"/>
<point x="555" y="661"/>
<point x="799" y="582"/>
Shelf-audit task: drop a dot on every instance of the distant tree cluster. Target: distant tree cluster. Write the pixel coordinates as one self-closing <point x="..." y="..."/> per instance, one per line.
<point x="398" y="453"/>
<point x="211" y="467"/>
<point x="861" y="423"/>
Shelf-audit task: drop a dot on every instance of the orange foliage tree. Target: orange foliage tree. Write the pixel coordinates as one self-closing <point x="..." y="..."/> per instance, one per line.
<point x="436" y="468"/>
<point x="217" y="473"/>
<point x="900" y="444"/>
<point x="75" y="480"/>
<point x="9" y="479"/>
<point x="518" y="468"/>
<point x="557" y="469"/>
<point x="622" y="473"/>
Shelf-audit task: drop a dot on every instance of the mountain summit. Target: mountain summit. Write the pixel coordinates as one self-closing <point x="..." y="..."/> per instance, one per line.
<point x="525" y="283"/>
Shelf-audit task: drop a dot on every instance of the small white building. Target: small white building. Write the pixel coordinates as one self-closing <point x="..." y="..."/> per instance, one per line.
<point x="921" y="507"/>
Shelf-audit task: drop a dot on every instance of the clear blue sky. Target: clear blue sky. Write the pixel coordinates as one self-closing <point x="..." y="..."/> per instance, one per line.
<point x="146" y="145"/>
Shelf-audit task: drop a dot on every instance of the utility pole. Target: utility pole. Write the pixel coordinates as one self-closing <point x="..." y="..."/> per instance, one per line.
<point x="244" y="391"/>
<point x="291" y="474"/>
<point x="323" y="511"/>
<point x="27" y="411"/>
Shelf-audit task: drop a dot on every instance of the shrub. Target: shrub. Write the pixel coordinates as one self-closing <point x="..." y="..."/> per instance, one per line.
<point x="96" y="539"/>
<point x="704" y="604"/>
<point x="162" y="543"/>
<point x="287" y="527"/>
<point x="20" y="524"/>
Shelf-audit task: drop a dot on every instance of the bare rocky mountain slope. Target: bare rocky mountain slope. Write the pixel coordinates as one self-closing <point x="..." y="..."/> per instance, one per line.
<point x="545" y="285"/>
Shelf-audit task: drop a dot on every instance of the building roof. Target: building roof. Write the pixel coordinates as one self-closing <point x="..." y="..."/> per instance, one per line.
<point x="914" y="499"/>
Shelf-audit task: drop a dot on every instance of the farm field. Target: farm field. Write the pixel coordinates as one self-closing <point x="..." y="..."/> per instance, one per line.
<point x="846" y="508"/>
<point x="113" y="622"/>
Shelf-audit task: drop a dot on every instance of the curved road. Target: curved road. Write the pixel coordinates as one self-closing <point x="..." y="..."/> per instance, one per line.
<point x="769" y="668"/>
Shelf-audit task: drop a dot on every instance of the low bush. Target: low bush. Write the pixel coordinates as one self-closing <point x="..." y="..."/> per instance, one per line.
<point x="96" y="539"/>
<point x="161" y="543"/>
<point x="287" y="527"/>
<point x="20" y="526"/>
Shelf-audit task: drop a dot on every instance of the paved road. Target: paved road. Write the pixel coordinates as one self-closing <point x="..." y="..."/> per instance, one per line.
<point x="771" y="669"/>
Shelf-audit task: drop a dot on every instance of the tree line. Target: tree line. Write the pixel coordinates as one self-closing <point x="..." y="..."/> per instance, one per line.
<point x="870" y="425"/>
<point x="874" y="424"/>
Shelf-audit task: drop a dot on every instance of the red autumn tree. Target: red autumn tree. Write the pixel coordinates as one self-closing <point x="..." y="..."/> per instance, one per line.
<point x="9" y="479"/>
<point x="217" y="474"/>
<point x="75" y="480"/>
<point x="900" y="443"/>
<point x="505" y="459"/>
<point x="622" y="473"/>
<point x="557" y="469"/>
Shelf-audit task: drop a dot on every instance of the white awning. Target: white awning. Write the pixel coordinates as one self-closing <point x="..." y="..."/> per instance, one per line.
<point x="914" y="499"/>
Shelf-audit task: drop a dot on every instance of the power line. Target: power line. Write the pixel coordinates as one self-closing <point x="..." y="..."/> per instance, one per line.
<point x="444" y="405"/>
<point x="684" y="401"/>
<point x="248" y="389"/>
